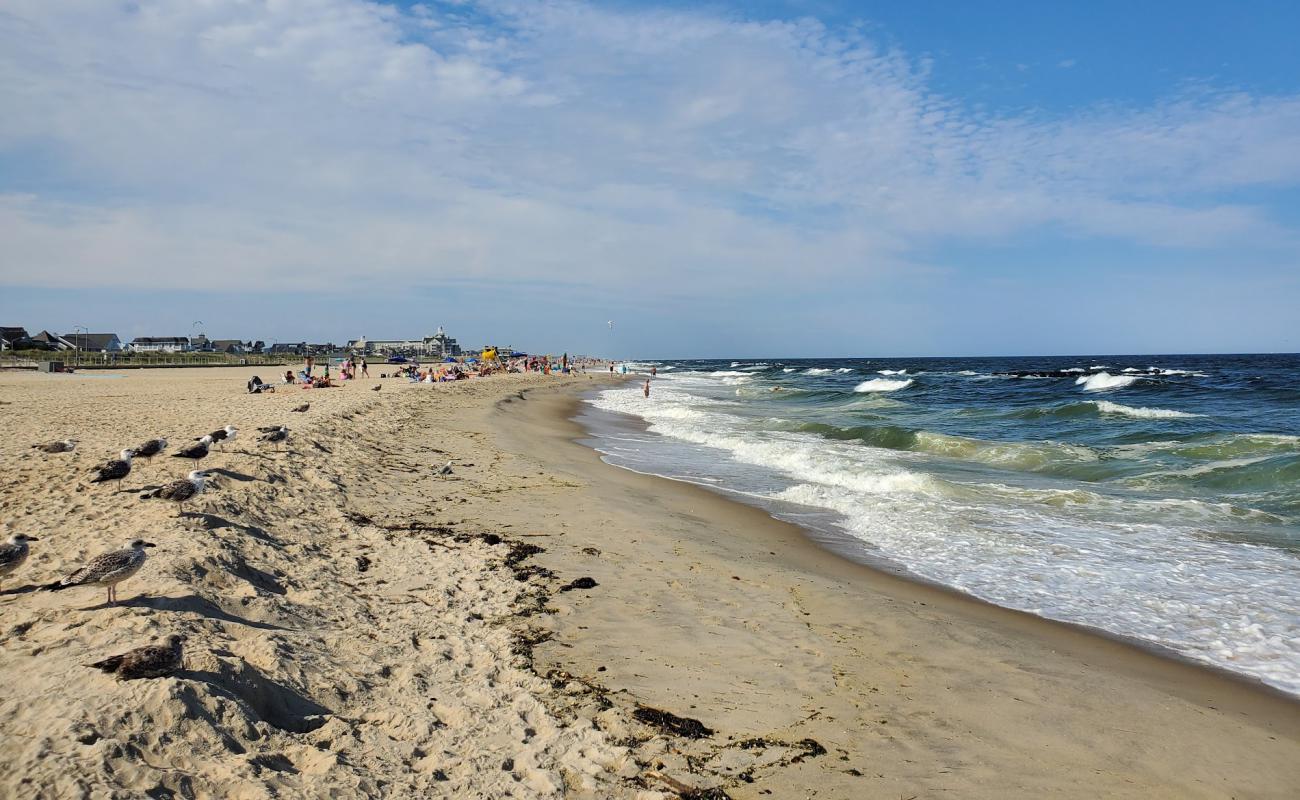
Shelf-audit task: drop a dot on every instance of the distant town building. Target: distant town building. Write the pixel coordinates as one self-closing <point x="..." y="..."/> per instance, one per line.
<point x="160" y="344"/>
<point x="50" y="341"/>
<point x="95" y="342"/>
<point x="439" y="345"/>
<point x="234" y="346"/>
<point x="11" y="336"/>
<point x="288" y="349"/>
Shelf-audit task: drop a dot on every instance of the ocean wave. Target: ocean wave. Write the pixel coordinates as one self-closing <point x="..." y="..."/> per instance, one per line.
<point x="727" y="373"/>
<point x="843" y="370"/>
<point x="882" y="385"/>
<point x="818" y="371"/>
<point x="1107" y="407"/>
<point x="891" y="372"/>
<point x="1105" y="382"/>
<point x="788" y="369"/>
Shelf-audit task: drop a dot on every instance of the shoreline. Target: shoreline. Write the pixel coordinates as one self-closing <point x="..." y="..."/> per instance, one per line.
<point x="847" y="548"/>
<point x="1018" y="643"/>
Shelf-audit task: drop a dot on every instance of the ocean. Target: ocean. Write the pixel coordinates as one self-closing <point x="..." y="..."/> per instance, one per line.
<point x="1155" y="498"/>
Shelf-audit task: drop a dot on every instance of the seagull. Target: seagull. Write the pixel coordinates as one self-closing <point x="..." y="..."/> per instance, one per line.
<point x="445" y="469"/>
<point x="107" y="569"/>
<point x="150" y="448"/>
<point x="14" y="553"/>
<point x="179" y="491"/>
<point x="65" y="446"/>
<point x="302" y="408"/>
<point x="195" y="451"/>
<point x="114" y="470"/>
<point x="222" y="435"/>
<point x="150" y="661"/>
<point x="275" y="435"/>
<point x="377" y="387"/>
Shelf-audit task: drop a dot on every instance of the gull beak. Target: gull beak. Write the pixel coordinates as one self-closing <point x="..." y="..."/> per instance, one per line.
<point x="150" y="544"/>
<point x="32" y="539"/>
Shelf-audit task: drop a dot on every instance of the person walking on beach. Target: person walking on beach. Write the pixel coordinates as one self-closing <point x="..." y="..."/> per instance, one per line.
<point x="310" y="363"/>
<point x="365" y="368"/>
<point x="647" y="387"/>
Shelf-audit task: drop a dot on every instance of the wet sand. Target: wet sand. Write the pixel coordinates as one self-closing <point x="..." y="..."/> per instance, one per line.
<point x="711" y="608"/>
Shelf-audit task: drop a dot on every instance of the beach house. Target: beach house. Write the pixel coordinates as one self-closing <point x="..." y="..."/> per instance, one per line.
<point x="160" y="344"/>
<point x="95" y="342"/>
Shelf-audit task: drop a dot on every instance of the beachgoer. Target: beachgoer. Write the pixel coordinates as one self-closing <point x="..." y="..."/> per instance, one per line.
<point x="365" y="368"/>
<point x="647" y="387"/>
<point x="311" y="362"/>
<point x="654" y="371"/>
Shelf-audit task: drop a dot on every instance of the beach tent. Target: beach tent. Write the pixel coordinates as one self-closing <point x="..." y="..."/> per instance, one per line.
<point x="517" y="354"/>
<point x="449" y="360"/>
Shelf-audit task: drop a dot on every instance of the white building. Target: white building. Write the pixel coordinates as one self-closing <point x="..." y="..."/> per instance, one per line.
<point x="439" y="345"/>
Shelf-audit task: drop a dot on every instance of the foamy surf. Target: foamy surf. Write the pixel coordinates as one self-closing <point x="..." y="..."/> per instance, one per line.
<point x="882" y="385"/>
<point x="1104" y="382"/>
<point x="1107" y="407"/>
<point x="1174" y="522"/>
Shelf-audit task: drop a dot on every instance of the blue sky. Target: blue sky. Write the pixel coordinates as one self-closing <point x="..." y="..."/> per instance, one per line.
<point x="761" y="179"/>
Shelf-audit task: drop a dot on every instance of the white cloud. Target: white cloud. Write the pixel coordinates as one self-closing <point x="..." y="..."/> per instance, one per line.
<point x="270" y="143"/>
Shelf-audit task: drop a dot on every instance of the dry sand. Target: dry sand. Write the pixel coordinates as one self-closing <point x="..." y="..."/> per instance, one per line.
<point x="361" y="627"/>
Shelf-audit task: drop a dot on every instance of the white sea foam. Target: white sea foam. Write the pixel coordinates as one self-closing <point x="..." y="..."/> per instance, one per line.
<point x="843" y="370"/>
<point x="1104" y="382"/>
<point x="788" y="369"/>
<point x="1135" y="567"/>
<point x="891" y="372"/>
<point x="817" y="371"/>
<point x="968" y="373"/>
<point x="726" y="373"/>
<point x="882" y="385"/>
<point x="1107" y="407"/>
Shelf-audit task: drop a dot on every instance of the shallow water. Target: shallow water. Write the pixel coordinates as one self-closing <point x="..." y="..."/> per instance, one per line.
<point x="1154" y="497"/>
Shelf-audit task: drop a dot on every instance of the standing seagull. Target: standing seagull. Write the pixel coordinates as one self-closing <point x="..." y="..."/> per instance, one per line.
<point x="107" y="569"/>
<point x="14" y="553"/>
<point x="150" y="448"/>
<point x="115" y="469"/>
<point x="445" y="469"/>
<point x="302" y="408"/>
<point x="226" y="434"/>
<point x="276" y="436"/>
<point x="65" y="446"/>
<point x="195" y="452"/>
<point x="377" y="387"/>
<point x="150" y="661"/>
<point x="179" y="491"/>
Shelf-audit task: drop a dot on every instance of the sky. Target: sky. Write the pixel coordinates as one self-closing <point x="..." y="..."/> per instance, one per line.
<point x="779" y="178"/>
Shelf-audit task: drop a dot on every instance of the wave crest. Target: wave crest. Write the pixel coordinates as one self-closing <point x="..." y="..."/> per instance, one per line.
<point x="882" y="385"/>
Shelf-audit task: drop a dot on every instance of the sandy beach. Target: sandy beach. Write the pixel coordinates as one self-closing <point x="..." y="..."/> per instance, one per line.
<point x="358" y="625"/>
